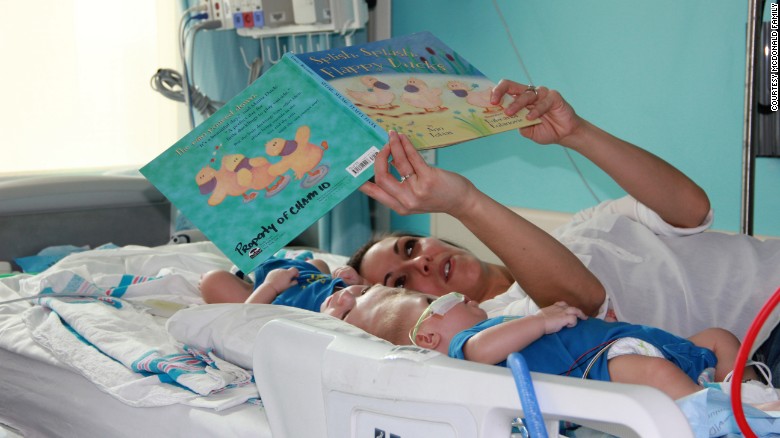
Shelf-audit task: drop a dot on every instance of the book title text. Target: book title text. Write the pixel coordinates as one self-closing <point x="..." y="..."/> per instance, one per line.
<point x="335" y="65"/>
<point x="219" y="125"/>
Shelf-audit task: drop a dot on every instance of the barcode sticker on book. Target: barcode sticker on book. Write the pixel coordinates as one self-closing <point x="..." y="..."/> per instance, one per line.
<point x="358" y="166"/>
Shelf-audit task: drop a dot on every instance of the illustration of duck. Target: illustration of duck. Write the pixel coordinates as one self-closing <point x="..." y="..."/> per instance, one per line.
<point x="298" y="155"/>
<point x="480" y="99"/>
<point x="377" y="95"/>
<point x="419" y="95"/>
<point x="254" y="174"/>
<point x="221" y="183"/>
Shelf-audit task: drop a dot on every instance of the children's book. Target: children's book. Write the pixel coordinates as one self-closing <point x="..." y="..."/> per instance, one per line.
<point x="290" y="147"/>
<point x="418" y="86"/>
<point x="269" y="163"/>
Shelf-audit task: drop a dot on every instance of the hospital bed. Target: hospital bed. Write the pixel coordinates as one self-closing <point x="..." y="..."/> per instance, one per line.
<point x="314" y="375"/>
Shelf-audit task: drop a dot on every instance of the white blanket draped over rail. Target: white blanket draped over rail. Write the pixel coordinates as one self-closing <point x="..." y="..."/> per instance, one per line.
<point x="117" y="339"/>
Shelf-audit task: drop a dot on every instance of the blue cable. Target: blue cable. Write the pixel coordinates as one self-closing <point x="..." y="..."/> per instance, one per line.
<point x="533" y="415"/>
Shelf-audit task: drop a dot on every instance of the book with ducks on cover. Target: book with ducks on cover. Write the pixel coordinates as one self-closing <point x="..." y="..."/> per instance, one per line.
<point x="303" y="136"/>
<point x="418" y="86"/>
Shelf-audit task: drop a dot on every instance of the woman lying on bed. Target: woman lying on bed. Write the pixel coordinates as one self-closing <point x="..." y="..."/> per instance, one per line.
<point x="642" y="259"/>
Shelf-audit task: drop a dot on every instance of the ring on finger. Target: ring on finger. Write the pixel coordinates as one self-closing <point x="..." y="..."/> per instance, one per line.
<point x="407" y="176"/>
<point x="532" y="88"/>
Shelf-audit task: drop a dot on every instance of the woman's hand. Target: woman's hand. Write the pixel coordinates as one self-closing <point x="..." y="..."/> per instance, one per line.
<point x="422" y="188"/>
<point x="533" y="257"/>
<point x="558" y="119"/>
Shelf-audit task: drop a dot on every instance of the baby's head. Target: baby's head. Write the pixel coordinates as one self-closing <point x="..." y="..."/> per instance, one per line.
<point x="380" y="310"/>
<point x="442" y="319"/>
<point x="393" y="313"/>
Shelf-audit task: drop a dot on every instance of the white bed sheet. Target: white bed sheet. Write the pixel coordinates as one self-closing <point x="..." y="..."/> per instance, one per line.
<point x="42" y="396"/>
<point x="44" y="400"/>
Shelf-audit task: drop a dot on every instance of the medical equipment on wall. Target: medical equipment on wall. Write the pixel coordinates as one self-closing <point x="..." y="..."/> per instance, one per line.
<point x="290" y="25"/>
<point x="279" y="25"/>
<point x="280" y="18"/>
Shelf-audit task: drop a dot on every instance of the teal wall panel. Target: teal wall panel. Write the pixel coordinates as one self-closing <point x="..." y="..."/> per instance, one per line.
<point x="665" y="75"/>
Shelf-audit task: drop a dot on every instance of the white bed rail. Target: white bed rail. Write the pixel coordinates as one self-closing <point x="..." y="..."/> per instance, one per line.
<point x="318" y="383"/>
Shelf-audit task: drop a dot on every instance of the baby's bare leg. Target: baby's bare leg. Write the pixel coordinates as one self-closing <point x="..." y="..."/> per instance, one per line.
<point x="725" y="346"/>
<point x="652" y="371"/>
<point x="223" y="287"/>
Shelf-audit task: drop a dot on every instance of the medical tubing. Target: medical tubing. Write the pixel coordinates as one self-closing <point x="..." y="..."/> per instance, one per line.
<point x="50" y="295"/>
<point x="741" y="362"/>
<point x="533" y="420"/>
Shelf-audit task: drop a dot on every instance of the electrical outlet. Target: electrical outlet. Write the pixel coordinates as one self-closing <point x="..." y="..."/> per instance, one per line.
<point x="237" y="14"/>
<point x="220" y="10"/>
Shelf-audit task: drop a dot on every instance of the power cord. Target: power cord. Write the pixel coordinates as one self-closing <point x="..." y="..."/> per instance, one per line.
<point x="177" y="86"/>
<point x="170" y="84"/>
<point x="531" y="82"/>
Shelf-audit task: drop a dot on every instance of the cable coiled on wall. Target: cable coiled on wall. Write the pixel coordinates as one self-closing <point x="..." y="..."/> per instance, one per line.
<point x="169" y="83"/>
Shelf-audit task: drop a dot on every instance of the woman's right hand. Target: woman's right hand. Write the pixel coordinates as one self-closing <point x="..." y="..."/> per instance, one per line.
<point x="422" y="189"/>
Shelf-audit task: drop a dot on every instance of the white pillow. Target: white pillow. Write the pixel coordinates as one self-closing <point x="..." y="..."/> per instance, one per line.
<point x="230" y="329"/>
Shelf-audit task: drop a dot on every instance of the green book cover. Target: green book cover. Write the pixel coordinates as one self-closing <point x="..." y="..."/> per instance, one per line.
<point x="418" y="86"/>
<point x="303" y="136"/>
<point x="269" y="163"/>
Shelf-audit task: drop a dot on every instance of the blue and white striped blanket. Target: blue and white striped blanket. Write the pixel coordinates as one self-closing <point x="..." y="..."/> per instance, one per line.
<point x="115" y="335"/>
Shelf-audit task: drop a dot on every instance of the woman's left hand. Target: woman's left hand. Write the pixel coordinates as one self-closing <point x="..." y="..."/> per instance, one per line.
<point x="558" y="119"/>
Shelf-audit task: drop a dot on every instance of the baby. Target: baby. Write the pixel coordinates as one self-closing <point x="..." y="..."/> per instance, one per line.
<point x="302" y="283"/>
<point x="561" y="340"/>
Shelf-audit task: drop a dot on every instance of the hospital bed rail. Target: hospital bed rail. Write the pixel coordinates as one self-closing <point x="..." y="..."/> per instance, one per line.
<point x="319" y="383"/>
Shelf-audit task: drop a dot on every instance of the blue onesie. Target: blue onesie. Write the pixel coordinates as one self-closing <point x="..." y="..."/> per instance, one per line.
<point x="569" y="351"/>
<point x="309" y="293"/>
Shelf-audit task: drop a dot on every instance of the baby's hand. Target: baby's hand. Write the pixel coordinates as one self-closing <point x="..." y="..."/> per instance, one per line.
<point x="560" y="315"/>
<point x="281" y="279"/>
<point x="349" y="275"/>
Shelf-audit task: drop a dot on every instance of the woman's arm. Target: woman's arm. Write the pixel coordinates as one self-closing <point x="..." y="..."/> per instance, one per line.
<point x="494" y="344"/>
<point x="543" y="267"/>
<point x="649" y="179"/>
<point x="276" y="282"/>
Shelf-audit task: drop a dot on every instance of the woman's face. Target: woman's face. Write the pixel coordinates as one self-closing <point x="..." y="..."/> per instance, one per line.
<point x="424" y="264"/>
